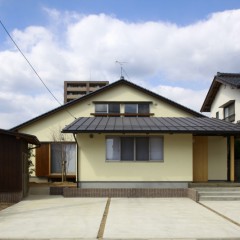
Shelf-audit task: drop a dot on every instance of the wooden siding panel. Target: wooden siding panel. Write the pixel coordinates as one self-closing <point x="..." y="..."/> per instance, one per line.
<point x="43" y="160"/>
<point x="11" y="163"/>
<point x="200" y="159"/>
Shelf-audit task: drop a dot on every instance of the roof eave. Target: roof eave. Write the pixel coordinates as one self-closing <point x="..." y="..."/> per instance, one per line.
<point x="205" y="133"/>
<point x="206" y="107"/>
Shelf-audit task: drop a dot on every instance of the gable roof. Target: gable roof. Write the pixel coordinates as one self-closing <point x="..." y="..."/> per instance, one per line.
<point x="27" y="137"/>
<point x="192" y="125"/>
<point x="100" y="90"/>
<point x="231" y="79"/>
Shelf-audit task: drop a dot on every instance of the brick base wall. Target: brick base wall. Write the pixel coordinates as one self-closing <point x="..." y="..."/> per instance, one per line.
<point x="56" y="190"/>
<point x="126" y="192"/>
<point x="11" y="197"/>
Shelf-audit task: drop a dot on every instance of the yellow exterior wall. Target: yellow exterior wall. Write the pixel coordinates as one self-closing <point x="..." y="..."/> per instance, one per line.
<point x="217" y="158"/>
<point x="44" y="127"/>
<point x="177" y="164"/>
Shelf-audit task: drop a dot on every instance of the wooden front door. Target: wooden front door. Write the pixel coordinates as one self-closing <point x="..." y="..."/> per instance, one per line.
<point x="200" y="159"/>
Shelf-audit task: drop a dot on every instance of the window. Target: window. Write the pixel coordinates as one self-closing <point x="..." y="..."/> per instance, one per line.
<point x="217" y="115"/>
<point x="105" y="108"/>
<point x="229" y="112"/>
<point x="61" y="152"/>
<point x="113" y="108"/>
<point x="134" y="148"/>
<point x="143" y="108"/>
<point x="101" y="108"/>
<point x="137" y="108"/>
<point x="131" y="108"/>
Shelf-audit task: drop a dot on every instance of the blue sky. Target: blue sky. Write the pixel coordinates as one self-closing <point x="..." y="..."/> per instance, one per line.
<point x="172" y="47"/>
<point x="24" y="12"/>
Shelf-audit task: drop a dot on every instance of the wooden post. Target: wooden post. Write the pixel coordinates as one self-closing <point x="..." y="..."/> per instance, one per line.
<point x="232" y="160"/>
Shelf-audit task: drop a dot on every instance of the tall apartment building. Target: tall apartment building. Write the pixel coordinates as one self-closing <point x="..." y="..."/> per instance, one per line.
<point x="76" y="89"/>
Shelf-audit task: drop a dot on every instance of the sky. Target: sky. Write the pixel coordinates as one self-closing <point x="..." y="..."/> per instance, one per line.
<point x="171" y="47"/>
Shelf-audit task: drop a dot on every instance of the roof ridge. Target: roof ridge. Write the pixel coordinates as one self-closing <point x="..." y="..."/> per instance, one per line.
<point x="227" y="74"/>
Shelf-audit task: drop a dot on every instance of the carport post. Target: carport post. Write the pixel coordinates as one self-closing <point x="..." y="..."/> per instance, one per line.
<point x="232" y="160"/>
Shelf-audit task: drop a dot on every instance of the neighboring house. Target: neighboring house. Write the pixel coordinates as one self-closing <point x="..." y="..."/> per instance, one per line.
<point x="127" y="136"/>
<point x="223" y="97"/>
<point x="223" y="102"/>
<point x="14" y="150"/>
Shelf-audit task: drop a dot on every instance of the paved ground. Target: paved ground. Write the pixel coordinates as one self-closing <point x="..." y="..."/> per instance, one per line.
<point x="55" y="217"/>
<point x="165" y="218"/>
<point x="230" y="209"/>
<point x="52" y="217"/>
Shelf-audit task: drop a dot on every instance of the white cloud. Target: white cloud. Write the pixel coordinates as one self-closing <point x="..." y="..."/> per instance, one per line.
<point x="79" y="47"/>
<point x="192" y="99"/>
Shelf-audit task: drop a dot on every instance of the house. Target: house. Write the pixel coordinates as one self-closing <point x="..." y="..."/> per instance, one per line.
<point x="126" y="136"/>
<point x="14" y="150"/>
<point x="223" y="102"/>
<point x="223" y="97"/>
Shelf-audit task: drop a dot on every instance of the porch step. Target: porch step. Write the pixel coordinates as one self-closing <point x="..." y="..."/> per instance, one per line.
<point x="219" y="198"/>
<point x="219" y="193"/>
<point x="218" y="189"/>
<point x="232" y="193"/>
<point x="214" y="184"/>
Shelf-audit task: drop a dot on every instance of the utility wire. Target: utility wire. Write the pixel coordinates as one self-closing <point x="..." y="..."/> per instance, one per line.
<point x="31" y="66"/>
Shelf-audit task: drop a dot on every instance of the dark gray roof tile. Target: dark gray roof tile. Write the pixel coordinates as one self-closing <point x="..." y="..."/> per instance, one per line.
<point x="192" y="125"/>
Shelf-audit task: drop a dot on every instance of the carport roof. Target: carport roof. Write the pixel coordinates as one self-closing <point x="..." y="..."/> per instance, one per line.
<point x="193" y="125"/>
<point x="27" y="137"/>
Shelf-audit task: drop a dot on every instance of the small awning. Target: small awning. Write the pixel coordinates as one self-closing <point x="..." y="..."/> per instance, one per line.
<point x="227" y="104"/>
<point x="193" y="125"/>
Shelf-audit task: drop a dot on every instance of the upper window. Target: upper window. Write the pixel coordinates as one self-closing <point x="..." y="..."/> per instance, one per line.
<point x="217" y="115"/>
<point x="128" y="109"/>
<point x="134" y="148"/>
<point x="139" y="109"/>
<point x="229" y="112"/>
<point x="106" y="108"/>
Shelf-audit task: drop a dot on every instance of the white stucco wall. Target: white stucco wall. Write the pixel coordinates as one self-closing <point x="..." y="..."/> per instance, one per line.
<point x="177" y="164"/>
<point x="225" y="94"/>
<point x="217" y="158"/>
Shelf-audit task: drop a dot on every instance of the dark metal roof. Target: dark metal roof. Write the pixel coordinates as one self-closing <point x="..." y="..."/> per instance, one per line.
<point x="66" y="106"/>
<point x="194" y="125"/>
<point x="231" y="79"/>
<point x="27" y="137"/>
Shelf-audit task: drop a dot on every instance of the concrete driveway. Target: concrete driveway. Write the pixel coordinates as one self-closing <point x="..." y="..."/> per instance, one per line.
<point x="55" y="217"/>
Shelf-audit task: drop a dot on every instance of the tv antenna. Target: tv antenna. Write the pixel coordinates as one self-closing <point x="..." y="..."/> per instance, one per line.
<point x="121" y="67"/>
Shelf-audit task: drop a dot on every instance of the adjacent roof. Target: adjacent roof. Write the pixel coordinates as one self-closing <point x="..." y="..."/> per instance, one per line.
<point x="119" y="82"/>
<point x="231" y="79"/>
<point x="27" y="137"/>
<point x="194" y="125"/>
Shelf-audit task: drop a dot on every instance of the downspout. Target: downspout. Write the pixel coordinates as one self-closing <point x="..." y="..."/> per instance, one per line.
<point x="77" y="172"/>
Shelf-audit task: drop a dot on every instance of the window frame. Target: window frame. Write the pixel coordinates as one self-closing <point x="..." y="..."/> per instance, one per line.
<point x="134" y="149"/>
<point x="229" y="117"/>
